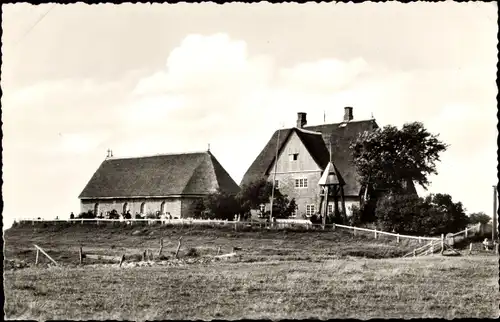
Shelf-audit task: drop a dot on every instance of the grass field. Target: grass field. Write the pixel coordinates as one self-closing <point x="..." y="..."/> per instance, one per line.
<point x="317" y="278"/>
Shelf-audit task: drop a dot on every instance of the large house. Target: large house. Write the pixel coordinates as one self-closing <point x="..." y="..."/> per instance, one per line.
<point x="303" y="154"/>
<point x="168" y="183"/>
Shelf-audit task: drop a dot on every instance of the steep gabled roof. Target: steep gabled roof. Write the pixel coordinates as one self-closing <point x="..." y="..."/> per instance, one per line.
<point x="340" y="135"/>
<point x="160" y="175"/>
<point x="313" y="141"/>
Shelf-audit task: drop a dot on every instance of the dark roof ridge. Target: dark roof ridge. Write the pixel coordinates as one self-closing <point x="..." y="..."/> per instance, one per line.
<point x="338" y="123"/>
<point x="155" y="155"/>
<point x="308" y="131"/>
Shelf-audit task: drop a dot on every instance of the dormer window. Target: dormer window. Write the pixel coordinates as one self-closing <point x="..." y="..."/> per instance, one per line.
<point x="294" y="156"/>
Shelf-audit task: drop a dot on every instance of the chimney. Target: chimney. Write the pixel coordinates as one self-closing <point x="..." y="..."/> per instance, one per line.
<point x="301" y="119"/>
<point x="348" y="114"/>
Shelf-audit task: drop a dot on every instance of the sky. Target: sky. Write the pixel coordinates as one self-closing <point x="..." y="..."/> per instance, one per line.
<point x="145" y="79"/>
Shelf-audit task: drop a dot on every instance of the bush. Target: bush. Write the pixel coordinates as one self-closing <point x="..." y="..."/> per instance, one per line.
<point x="362" y="215"/>
<point x="114" y="214"/>
<point x="152" y="215"/>
<point x="479" y="217"/>
<point x="199" y="210"/>
<point x="222" y="205"/>
<point x="192" y="252"/>
<point x="86" y="215"/>
<point x="409" y="214"/>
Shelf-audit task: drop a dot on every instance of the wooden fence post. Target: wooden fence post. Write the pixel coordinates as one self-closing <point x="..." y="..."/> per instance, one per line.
<point x="161" y="247"/>
<point x="333" y="226"/>
<point x="122" y="259"/>
<point x="419" y="240"/>
<point x="144" y="256"/>
<point x="414" y="253"/>
<point x="81" y="255"/>
<point x="466" y="232"/>
<point x="218" y="251"/>
<point x="375" y="234"/>
<point x="36" y="259"/>
<point x="442" y="243"/>
<point x="397" y="238"/>
<point x="470" y="248"/>
<point x="496" y="248"/>
<point x="43" y="252"/>
<point x="178" y="247"/>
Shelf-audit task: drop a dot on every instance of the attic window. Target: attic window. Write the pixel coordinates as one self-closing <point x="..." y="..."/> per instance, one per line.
<point x="294" y="156"/>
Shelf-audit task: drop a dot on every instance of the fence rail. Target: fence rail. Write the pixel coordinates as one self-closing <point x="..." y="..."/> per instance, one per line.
<point x="280" y="223"/>
<point x="476" y="228"/>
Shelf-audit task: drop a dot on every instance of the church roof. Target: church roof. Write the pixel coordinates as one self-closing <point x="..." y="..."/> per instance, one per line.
<point x="159" y="176"/>
<point x="339" y="134"/>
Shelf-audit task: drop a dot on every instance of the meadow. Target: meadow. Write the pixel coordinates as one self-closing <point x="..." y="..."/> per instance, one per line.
<point x="279" y="275"/>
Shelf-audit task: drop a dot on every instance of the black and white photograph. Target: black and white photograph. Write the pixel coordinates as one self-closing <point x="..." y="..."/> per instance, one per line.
<point x="268" y="161"/>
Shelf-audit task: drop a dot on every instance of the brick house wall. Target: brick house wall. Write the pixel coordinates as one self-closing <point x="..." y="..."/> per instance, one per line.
<point x="171" y="205"/>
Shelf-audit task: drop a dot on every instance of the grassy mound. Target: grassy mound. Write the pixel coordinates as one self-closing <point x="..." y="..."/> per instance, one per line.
<point x="62" y="242"/>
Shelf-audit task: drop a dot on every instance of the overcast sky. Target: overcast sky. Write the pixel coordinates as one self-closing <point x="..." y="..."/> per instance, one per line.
<point x="147" y="79"/>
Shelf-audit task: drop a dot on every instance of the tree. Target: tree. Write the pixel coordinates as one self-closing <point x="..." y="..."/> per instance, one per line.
<point x="433" y="215"/>
<point x="479" y="217"/>
<point x="255" y="193"/>
<point x="282" y="206"/>
<point x="199" y="209"/>
<point x="387" y="158"/>
<point x="259" y="192"/>
<point x="222" y="205"/>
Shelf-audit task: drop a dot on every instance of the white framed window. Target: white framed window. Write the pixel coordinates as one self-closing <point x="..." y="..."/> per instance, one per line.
<point x="330" y="209"/>
<point x="310" y="210"/>
<point x="294" y="156"/>
<point x="301" y="183"/>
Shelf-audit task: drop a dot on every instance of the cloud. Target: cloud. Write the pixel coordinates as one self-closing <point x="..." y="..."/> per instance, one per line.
<point x="325" y="75"/>
<point x="206" y="63"/>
